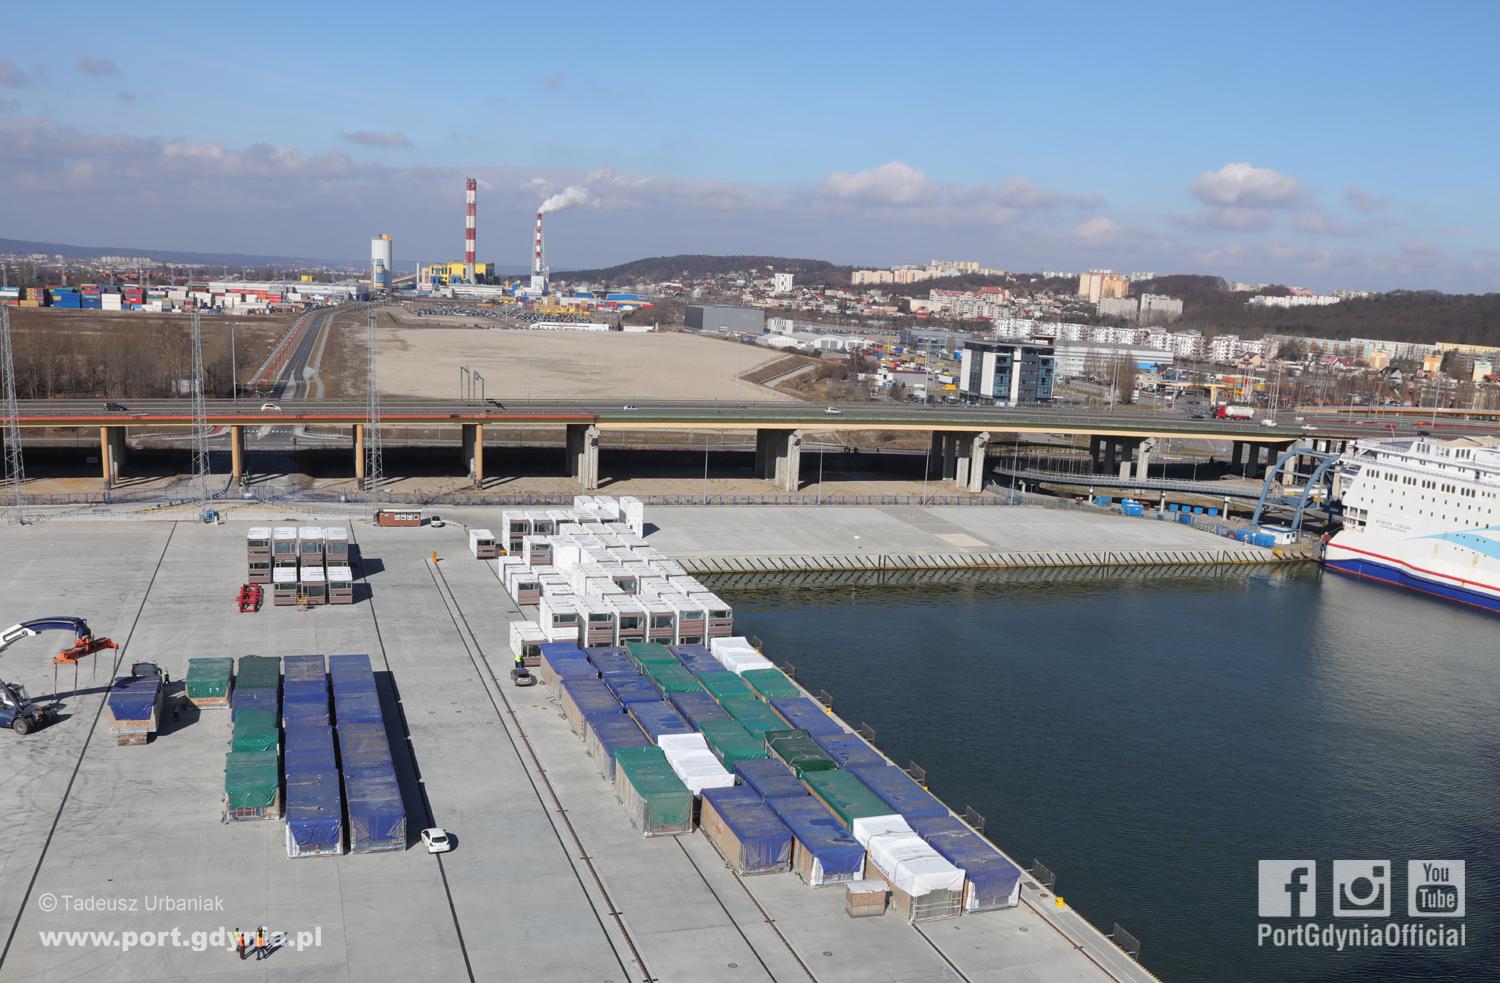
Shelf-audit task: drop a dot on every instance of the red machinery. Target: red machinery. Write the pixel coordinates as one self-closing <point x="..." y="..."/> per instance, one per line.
<point x="250" y="598"/>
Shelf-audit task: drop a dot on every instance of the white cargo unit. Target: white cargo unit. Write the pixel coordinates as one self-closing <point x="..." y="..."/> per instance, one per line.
<point x="630" y="618"/>
<point x="523" y="585"/>
<point x="482" y="544"/>
<point x="634" y="514"/>
<point x="720" y="616"/>
<point x="310" y="545"/>
<point x="599" y="621"/>
<point x="515" y="526"/>
<point x="661" y="620"/>
<point x="335" y="546"/>
<point x="284" y="546"/>
<point x="692" y="626"/>
<point x="258" y="543"/>
<point x="284" y="585"/>
<point x="559" y="619"/>
<point x="313" y="584"/>
<point x="340" y="584"/>
<point x="526" y="640"/>
<point x="537" y="550"/>
<point x="259" y="570"/>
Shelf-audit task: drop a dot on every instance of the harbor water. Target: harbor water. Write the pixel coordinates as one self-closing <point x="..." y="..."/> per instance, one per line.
<point x="1151" y="735"/>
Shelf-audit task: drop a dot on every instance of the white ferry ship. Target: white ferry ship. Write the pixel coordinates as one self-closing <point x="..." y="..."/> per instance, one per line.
<point x="1421" y="513"/>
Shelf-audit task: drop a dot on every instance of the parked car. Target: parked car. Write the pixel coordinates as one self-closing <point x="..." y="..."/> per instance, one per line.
<point x="437" y="840"/>
<point x="436" y="522"/>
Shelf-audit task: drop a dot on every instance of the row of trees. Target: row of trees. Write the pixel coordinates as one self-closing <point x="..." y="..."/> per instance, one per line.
<point x="135" y="361"/>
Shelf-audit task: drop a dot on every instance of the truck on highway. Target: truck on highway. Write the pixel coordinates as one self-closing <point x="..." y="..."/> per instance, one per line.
<point x="1228" y="412"/>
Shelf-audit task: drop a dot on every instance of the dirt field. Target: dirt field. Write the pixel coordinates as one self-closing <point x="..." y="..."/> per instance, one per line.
<point x="421" y="360"/>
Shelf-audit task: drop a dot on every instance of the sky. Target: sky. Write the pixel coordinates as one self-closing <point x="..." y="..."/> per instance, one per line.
<point x="1330" y="145"/>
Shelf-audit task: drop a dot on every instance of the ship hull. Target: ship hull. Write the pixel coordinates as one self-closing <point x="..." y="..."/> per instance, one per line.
<point x="1395" y="572"/>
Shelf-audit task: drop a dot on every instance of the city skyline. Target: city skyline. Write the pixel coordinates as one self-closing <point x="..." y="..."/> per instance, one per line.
<point x="1280" y="148"/>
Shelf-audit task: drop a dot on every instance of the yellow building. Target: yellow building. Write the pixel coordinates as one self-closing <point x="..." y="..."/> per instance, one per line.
<point x="449" y="272"/>
<point x="1098" y="284"/>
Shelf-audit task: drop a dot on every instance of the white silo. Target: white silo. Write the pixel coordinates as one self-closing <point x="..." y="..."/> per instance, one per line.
<point x="380" y="262"/>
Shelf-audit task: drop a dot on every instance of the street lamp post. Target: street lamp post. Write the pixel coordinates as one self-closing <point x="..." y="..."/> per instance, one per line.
<point x="821" y="449"/>
<point x="463" y="382"/>
<point x="926" y="468"/>
<point x="234" y="371"/>
<point x="705" y="469"/>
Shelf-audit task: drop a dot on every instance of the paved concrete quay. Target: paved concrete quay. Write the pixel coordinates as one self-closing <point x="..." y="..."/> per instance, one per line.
<point x="549" y="879"/>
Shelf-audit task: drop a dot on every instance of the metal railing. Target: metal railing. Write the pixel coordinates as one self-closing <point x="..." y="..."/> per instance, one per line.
<point x="824" y="697"/>
<point x="866" y="731"/>
<point x="971" y="816"/>
<point x="1127" y="943"/>
<point x="917" y="772"/>
<point x="1043" y="875"/>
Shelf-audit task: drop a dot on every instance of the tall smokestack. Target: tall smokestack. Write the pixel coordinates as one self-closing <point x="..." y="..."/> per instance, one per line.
<point x="537" y="267"/>
<point x="470" y="185"/>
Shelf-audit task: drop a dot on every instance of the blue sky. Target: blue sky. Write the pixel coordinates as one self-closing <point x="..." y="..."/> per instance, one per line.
<point x="1331" y="144"/>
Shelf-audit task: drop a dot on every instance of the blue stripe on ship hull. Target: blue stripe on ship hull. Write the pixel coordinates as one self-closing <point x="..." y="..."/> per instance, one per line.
<point x="1367" y="569"/>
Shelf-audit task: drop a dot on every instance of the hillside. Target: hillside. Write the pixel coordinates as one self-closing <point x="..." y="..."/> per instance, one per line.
<point x="26" y="247"/>
<point x="692" y="266"/>
<point x="1399" y="316"/>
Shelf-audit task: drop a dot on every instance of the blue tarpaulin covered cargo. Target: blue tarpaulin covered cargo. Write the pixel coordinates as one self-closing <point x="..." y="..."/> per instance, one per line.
<point x="990" y="880"/>
<point x="356" y="708"/>
<point x="698" y="708"/>
<point x="824" y="852"/>
<point x="896" y="789"/>
<point x="302" y="668"/>
<point x="134" y="697"/>
<point x="581" y="697"/>
<point x="609" y="658"/>
<point x="658" y="718"/>
<point x="565" y="660"/>
<point x="608" y="734"/>
<point x="770" y="778"/>
<point x="696" y="658"/>
<point x="306" y="701"/>
<point x="348" y="664"/>
<point x="849" y="750"/>
<point x="631" y="687"/>
<point x="804" y="713"/>
<point x="363" y="745"/>
<point x="353" y="682"/>
<point x="377" y="818"/>
<point x="309" y="747"/>
<point x="253" y="699"/>
<point x="751" y="837"/>
<point x="314" y="814"/>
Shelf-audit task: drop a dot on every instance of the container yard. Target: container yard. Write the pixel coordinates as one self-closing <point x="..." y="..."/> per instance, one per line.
<point x="652" y="809"/>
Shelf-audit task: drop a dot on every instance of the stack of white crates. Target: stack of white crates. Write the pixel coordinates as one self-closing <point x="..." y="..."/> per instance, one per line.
<point x="310" y="562"/>
<point x="595" y="581"/>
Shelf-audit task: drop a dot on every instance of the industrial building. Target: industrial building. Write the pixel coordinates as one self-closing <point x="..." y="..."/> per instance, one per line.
<point x="721" y="317"/>
<point x="1074" y="359"/>
<point x="1008" y="373"/>
<point x="380" y="263"/>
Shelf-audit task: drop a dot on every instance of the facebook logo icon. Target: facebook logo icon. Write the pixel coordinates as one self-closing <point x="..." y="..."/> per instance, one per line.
<point x="1288" y="888"/>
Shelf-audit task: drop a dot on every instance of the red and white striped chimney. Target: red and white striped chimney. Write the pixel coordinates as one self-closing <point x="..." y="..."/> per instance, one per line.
<point x="469" y="189"/>
<point x="537" y="268"/>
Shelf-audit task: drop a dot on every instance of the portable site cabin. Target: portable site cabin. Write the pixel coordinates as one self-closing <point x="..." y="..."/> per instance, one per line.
<point x="692" y="619"/>
<point x="258" y="569"/>
<point x="340" y="585"/>
<point x="483" y="545"/>
<point x="313" y="583"/>
<point x="630" y="618"/>
<point x="526" y="639"/>
<point x="258" y="544"/>
<point x="335" y="546"/>
<point x="284" y="585"/>
<point x="537" y="550"/>
<point x="661" y="621"/>
<point x="523" y="585"/>
<point x="310" y="545"/>
<point x="515" y="526"/>
<point x="598" y="621"/>
<point x="719" y="616"/>
<point x="284" y="546"/>
<point x="559" y="619"/>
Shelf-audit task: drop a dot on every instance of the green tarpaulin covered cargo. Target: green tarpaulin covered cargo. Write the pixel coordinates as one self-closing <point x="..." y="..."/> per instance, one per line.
<point x="771" y="684"/>
<point x="256" y="730"/>
<point x="731" y="742"/>
<point x="756" y="717"/>
<point x="723" y="684"/>
<point x="654" y="796"/>
<point x="650" y="653"/>
<point x="669" y="679"/>
<point x="798" y="749"/>
<point x="252" y="785"/>
<point x="208" y="680"/>
<point x="258" y="672"/>
<point x="847" y="796"/>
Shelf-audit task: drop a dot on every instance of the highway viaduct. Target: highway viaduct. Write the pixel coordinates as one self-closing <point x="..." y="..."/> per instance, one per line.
<point x="1119" y="442"/>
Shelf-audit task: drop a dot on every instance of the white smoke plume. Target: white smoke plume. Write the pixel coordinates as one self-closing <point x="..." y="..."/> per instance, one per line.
<point x="567" y="198"/>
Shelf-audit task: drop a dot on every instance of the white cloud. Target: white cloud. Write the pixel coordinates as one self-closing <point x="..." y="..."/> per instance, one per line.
<point x="369" y="138"/>
<point x="893" y="183"/>
<point x="12" y="75"/>
<point x="1098" y="231"/>
<point x="1246" y="186"/>
<point x="98" y="66"/>
<point x="1364" y="201"/>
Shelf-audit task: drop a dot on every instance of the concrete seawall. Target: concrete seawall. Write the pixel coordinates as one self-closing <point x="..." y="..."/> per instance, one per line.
<point x="866" y="561"/>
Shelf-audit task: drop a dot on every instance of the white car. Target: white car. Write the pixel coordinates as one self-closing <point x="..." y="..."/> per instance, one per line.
<point x="833" y="411"/>
<point x="1268" y="422"/>
<point x="436" y="522"/>
<point x="1308" y="428"/>
<point x="269" y="408"/>
<point x="630" y="407"/>
<point x="437" y="840"/>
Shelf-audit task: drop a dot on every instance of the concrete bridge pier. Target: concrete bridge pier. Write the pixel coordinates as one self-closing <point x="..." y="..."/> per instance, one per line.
<point x="971" y="450"/>
<point x="1143" y="451"/>
<point x="473" y="444"/>
<point x="778" y="457"/>
<point x="112" y="452"/>
<point x="583" y="454"/>
<point x="1251" y="458"/>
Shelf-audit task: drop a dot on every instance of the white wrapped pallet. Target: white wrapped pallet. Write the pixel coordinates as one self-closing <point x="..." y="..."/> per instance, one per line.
<point x="693" y="762"/>
<point x="634" y="514"/>
<point x="923" y="884"/>
<point x="739" y="660"/>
